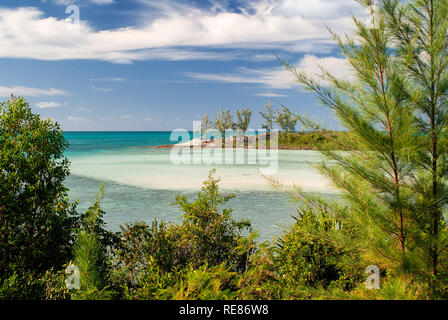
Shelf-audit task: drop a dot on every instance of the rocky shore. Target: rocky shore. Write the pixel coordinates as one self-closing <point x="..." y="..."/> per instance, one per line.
<point x="250" y="142"/>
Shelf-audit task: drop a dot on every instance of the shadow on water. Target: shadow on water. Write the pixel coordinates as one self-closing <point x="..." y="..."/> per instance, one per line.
<point x="269" y="211"/>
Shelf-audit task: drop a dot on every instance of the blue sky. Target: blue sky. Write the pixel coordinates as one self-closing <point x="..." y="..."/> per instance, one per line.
<point x="159" y="65"/>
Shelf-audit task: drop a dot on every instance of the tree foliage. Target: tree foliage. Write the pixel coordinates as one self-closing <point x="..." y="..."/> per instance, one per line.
<point x="242" y="120"/>
<point x="205" y="124"/>
<point x="268" y="117"/>
<point x="419" y="30"/>
<point x="91" y="252"/>
<point x="394" y="109"/>
<point x="36" y="219"/>
<point x="207" y="238"/>
<point x="223" y="122"/>
<point x="286" y="120"/>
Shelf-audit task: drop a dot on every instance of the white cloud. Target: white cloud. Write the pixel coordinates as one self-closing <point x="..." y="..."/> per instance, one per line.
<point x="317" y="9"/>
<point x="108" y="79"/>
<point x="171" y="31"/>
<point x="339" y="67"/>
<point x="77" y="119"/>
<point x="69" y="2"/>
<point x="125" y="116"/>
<point x="63" y="2"/>
<point x="270" y="94"/>
<point x="175" y="54"/>
<point x="101" y="89"/>
<point x="280" y="78"/>
<point x="48" y="104"/>
<point x="273" y="78"/>
<point x="102" y="2"/>
<point x="26" y="91"/>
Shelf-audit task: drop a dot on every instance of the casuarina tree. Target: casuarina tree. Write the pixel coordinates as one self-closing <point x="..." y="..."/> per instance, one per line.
<point x="394" y="107"/>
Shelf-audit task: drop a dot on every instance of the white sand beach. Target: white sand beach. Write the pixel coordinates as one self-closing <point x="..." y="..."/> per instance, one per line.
<point x="152" y="168"/>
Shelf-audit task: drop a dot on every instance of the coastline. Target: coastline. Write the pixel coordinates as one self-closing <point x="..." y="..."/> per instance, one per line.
<point x="250" y="142"/>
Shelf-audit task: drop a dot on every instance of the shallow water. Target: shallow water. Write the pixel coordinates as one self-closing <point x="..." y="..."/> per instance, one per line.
<point x="141" y="182"/>
<point x="269" y="211"/>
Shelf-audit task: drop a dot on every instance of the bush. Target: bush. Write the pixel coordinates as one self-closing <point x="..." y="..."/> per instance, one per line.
<point x="28" y="286"/>
<point x="143" y="251"/>
<point x="208" y="237"/>
<point x="314" y="140"/>
<point x="36" y="219"/>
<point x="91" y="252"/>
<point x="203" y="283"/>
<point x="306" y="260"/>
<point x="208" y="234"/>
<point x="259" y="281"/>
<point x="306" y="256"/>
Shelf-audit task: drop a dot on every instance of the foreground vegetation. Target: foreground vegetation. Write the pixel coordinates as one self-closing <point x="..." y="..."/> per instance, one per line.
<point x="314" y="140"/>
<point x="208" y="256"/>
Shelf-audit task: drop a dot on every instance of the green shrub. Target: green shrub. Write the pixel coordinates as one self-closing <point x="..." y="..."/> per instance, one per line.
<point x="307" y="255"/>
<point x="314" y="140"/>
<point x="259" y="281"/>
<point x="91" y="253"/>
<point x="304" y="259"/>
<point x="208" y="236"/>
<point x="203" y="283"/>
<point x="48" y="286"/>
<point x="143" y="251"/>
<point x="22" y="287"/>
<point x="36" y="219"/>
<point x="208" y="233"/>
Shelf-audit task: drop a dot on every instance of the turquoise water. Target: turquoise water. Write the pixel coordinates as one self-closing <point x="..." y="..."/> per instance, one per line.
<point x="141" y="182"/>
<point x="88" y="142"/>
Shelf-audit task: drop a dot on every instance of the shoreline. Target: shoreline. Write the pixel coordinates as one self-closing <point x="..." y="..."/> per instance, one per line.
<point x="171" y="146"/>
<point x="294" y="141"/>
<point x="249" y="143"/>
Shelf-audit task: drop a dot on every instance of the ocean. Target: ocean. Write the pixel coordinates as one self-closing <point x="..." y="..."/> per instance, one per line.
<point x="141" y="181"/>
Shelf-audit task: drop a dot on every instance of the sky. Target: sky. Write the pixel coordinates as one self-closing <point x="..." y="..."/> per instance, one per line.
<point x="111" y="65"/>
